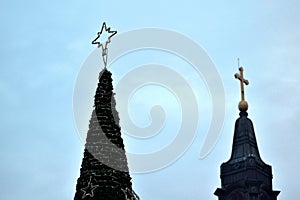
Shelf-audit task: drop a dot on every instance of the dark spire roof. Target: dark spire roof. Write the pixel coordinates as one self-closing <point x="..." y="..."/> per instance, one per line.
<point x="244" y="140"/>
<point x="245" y="174"/>
<point x="245" y="155"/>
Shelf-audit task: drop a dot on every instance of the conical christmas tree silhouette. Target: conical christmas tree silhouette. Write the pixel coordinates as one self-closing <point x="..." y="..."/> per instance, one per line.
<point x="104" y="170"/>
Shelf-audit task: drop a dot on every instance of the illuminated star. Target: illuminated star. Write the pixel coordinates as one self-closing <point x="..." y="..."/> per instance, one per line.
<point x="89" y="189"/>
<point x="110" y="32"/>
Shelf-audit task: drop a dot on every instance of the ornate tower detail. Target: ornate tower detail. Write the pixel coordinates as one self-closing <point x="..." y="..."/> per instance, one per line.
<point x="245" y="176"/>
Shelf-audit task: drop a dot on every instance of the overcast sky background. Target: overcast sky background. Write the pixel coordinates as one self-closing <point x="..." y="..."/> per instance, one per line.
<point x="44" y="44"/>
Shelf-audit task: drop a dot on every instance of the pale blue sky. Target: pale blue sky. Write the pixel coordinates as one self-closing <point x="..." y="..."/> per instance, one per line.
<point x="44" y="43"/>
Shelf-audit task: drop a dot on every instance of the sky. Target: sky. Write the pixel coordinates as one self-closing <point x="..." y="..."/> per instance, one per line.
<point x="44" y="45"/>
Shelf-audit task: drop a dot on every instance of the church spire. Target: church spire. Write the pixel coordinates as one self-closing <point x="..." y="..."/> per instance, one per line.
<point x="244" y="141"/>
<point x="245" y="176"/>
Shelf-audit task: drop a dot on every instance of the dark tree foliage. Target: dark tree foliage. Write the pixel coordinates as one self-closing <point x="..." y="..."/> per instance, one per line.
<point x="104" y="170"/>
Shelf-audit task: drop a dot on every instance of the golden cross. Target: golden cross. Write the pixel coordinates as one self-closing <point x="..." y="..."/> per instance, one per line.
<point x="242" y="80"/>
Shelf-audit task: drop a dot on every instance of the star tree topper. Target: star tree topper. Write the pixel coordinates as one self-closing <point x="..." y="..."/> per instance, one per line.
<point x="104" y="45"/>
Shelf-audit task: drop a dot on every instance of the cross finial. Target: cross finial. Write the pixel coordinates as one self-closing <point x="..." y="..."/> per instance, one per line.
<point x="243" y="105"/>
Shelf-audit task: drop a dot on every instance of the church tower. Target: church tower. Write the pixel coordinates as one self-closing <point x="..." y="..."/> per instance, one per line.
<point x="245" y="176"/>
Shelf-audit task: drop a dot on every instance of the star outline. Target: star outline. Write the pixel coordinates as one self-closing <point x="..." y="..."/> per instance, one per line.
<point x="108" y="30"/>
<point x="91" y="187"/>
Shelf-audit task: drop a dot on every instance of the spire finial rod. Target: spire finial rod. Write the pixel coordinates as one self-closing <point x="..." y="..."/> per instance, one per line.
<point x="243" y="105"/>
<point x="103" y="45"/>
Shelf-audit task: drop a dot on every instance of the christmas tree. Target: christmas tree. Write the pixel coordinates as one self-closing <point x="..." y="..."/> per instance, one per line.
<point x="104" y="171"/>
